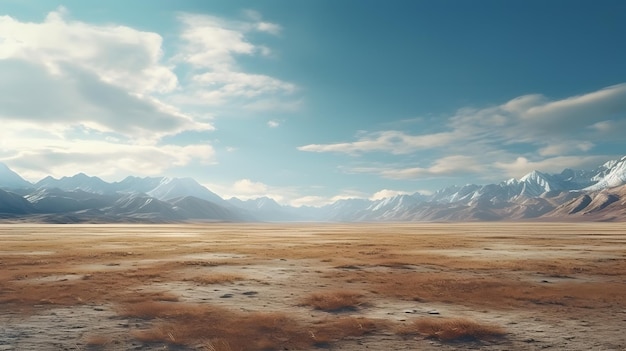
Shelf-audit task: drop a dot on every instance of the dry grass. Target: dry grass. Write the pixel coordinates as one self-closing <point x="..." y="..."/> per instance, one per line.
<point x="473" y="265"/>
<point x="215" y="278"/>
<point x="218" y="328"/>
<point x="501" y="292"/>
<point x="453" y="329"/>
<point x="335" y="301"/>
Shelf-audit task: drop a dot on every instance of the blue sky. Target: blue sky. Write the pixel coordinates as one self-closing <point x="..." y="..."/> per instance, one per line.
<point x="311" y="101"/>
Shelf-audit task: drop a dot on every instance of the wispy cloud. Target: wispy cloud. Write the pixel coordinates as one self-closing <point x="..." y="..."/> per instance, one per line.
<point x="475" y="140"/>
<point x="394" y="142"/>
<point x="273" y="124"/>
<point x="446" y="166"/>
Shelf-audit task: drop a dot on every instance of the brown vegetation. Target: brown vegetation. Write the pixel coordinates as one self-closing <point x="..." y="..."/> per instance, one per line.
<point x="223" y="329"/>
<point x="170" y="280"/>
<point x="335" y="301"/>
<point x="453" y="329"/>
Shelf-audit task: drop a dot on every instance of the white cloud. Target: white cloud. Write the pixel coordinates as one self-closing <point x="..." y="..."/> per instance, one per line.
<point x="39" y="157"/>
<point x="565" y="148"/>
<point x="522" y="165"/>
<point x="394" y="142"/>
<point x="529" y="119"/>
<point x="211" y="47"/>
<point x="273" y="124"/>
<point x="248" y="187"/>
<point x="476" y="139"/>
<point x="101" y="98"/>
<point x="310" y="200"/>
<point x="387" y="193"/>
<point x="117" y="55"/>
<point x="215" y="88"/>
<point x="28" y="92"/>
<point x="446" y="166"/>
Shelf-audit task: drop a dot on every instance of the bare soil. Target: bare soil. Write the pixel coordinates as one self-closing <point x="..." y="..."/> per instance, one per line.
<point x="409" y="286"/>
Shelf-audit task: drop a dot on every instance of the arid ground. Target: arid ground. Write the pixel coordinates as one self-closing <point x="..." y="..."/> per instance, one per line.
<point x="484" y="286"/>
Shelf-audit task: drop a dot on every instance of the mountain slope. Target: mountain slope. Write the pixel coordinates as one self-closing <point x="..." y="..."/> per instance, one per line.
<point x="191" y="207"/>
<point x="171" y="188"/>
<point x="14" y="204"/>
<point x="11" y="180"/>
<point x="79" y="181"/>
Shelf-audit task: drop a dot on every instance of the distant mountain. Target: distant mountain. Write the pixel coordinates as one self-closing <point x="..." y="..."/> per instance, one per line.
<point x="267" y="209"/>
<point x="79" y="181"/>
<point x="171" y="188"/>
<point x="143" y="206"/>
<point x="610" y="174"/>
<point x="56" y="200"/>
<point x="11" y="180"/>
<point x="14" y="204"/>
<point x="596" y="194"/>
<point x="194" y="208"/>
<point x="132" y="184"/>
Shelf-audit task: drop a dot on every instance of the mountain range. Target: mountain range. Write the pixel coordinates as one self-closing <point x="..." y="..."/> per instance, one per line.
<point x="598" y="195"/>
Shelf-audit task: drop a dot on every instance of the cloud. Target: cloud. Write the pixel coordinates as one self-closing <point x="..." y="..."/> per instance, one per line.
<point x="29" y="92"/>
<point x="529" y="119"/>
<point x="117" y="55"/>
<point x="394" y="142"/>
<point x="211" y="47"/>
<point x="522" y="165"/>
<point x="273" y="124"/>
<point x="102" y="98"/>
<point x="455" y="165"/>
<point x="248" y="187"/>
<point x="474" y="140"/>
<point x="565" y="148"/>
<point x="38" y="157"/>
<point x="215" y="88"/>
<point x="387" y="193"/>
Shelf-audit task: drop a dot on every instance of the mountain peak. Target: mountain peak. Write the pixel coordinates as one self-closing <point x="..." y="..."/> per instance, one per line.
<point x="11" y="180"/>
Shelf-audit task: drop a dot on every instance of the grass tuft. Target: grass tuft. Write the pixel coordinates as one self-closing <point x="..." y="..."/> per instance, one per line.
<point x="453" y="329"/>
<point x="335" y="301"/>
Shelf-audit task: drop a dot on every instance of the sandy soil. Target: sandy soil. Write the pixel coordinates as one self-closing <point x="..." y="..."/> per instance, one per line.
<point x="495" y="286"/>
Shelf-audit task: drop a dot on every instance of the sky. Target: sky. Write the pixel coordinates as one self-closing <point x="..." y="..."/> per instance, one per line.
<point x="312" y="101"/>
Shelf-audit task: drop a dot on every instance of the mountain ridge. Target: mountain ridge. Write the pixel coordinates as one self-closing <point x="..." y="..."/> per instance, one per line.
<point x="596" y="194"/>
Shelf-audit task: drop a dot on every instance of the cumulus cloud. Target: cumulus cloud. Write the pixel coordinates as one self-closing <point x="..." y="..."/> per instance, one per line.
<point x="273" y="124"/>
<point x="248" y="187"/>
<point x="101" y="98"/>
<point x="118" y="55"/>
<point x="212" y="46"/>
<point x="29" y="92"/>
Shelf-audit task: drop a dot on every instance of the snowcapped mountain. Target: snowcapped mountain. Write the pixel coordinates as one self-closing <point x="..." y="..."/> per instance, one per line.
<point x="611" y="174"/>
<point x="171" y="188"/>
<point x="132" y="184"/>
<point x="79" y="181"/>
<point x="596" y="194"/>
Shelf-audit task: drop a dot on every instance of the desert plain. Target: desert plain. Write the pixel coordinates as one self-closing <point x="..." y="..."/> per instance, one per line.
<point x="367" y="286"/>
